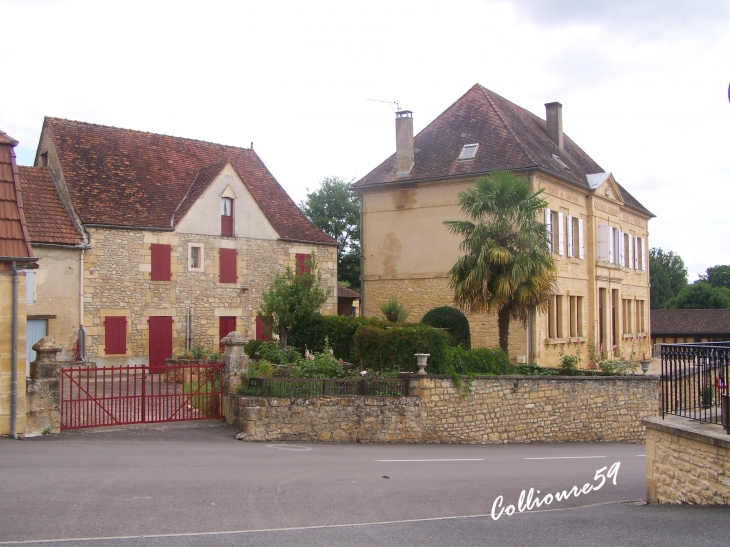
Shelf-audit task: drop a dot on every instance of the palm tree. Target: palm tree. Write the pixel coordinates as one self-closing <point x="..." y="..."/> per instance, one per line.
<point x="507" y="267"/>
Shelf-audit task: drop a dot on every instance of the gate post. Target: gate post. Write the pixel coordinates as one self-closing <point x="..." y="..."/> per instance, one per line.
<point x="43" y="392"/>
<point x="235" y="363"/>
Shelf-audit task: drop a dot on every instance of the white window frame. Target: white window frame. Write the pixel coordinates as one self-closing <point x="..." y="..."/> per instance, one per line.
<point x="469" y="151"/>
<point x="561" y="234"/>
<point x="580" y="239"/>
<point x="549" y="228"/>
<point x="201" y="246"/>
<point x="569" y="226"/>
<point x="603" y="242"/>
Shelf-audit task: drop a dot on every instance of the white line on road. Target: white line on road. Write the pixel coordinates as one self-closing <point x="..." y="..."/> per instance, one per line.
<point x="438" y="460"/>
<point x="568" y="458"/>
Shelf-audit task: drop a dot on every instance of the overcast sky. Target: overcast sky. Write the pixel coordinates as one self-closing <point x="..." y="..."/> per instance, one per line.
<point x="643" y="83"/>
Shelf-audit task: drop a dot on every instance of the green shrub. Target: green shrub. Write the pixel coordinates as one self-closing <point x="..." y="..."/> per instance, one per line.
<point x="320" y="365"/>
<point x="252" y="348"/>
<point x="569" y="363"/>
<point x="447" y="317"/>
<point x="270" y="351"/>
<point x="339" y="330"/>
<point x="394" y="311"/>
<point x="393" y="348"/>
<point x="617" y="367"/>
<point x="532" y="369"/>
<point x="482" y="361"/>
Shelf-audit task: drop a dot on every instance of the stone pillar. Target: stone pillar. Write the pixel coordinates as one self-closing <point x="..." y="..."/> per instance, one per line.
<point x="235" y="363"/>
<point x="43" y="392"/>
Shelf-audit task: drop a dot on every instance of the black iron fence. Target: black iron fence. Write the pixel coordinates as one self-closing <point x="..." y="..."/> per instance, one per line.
<point x="695" y="381"/>
<point x="312" y="387"/>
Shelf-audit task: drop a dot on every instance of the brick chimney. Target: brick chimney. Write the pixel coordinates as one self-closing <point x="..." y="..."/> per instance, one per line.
<point x="404" y="154"/>
<point x="554" y="119"/>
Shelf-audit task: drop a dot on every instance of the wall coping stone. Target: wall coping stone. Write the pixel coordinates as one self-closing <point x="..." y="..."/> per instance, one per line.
<point x="628" y="378"/>
<point x="690" y="429"/>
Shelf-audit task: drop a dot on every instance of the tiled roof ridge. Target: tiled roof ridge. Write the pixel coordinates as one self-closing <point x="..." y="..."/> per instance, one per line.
<point x="504" y="122"/>
<point x="65" y="120"/>
<point x="7" y="139"/>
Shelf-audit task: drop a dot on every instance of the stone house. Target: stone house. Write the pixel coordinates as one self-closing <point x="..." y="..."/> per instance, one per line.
<point x="168" y="243"/>
<point x="599" y="230"/>
<point x="16" y="258"/>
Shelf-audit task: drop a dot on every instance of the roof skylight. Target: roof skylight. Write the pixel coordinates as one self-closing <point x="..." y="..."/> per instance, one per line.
<point x="562" y="164"/>
<point x="469" y="151"/>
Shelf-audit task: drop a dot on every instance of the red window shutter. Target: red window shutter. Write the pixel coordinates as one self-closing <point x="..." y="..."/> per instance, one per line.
<point x="226" y="226"/>
<point x="115" y="331"/>
<point x="263" y="329"/>
<point x="161" y="262"/>
<point x="302" y="266"/>
<point x="228" y="259"/>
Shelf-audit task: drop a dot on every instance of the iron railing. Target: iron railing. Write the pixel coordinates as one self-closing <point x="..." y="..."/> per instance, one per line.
<point x="313" y="387"/>
<point x="695" y="381"/>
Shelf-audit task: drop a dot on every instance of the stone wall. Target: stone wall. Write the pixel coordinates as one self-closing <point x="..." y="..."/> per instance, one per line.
<point x="6" y="354"/>
<point x="506" y="409"/>
<point x="117" y="281"/>
<point x="687" y="462"/>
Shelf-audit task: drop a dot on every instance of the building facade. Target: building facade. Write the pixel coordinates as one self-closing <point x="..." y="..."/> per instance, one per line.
<point x="599" y="232"/>
<point x="178" y="239"/>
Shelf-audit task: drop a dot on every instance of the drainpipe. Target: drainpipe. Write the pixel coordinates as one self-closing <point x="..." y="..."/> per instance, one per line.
<point x="14" y="358"/>
<point x="82" y="331"/>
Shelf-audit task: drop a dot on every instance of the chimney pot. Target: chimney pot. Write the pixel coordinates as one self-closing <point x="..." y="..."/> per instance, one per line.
<point x="554" y="120"/>
<point x="404" y="152"/>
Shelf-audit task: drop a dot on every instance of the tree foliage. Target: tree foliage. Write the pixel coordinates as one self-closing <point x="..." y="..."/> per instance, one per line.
<point x="668" y="276"/>
<point x="507" y="267"/>
<point x="700" y="296"/>
<point x="717" y="276"/>
<point x="293" y="298"/>
<point x="335" y="209"/>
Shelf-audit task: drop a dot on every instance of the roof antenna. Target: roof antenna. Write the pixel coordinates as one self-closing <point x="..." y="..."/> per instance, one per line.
<point x="397" y="106"/>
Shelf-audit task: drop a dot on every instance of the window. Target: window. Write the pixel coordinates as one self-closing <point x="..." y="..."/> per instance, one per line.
<point x="640" y="260"/>
<point x="469" y="151"/>
<point x="626" y="309"/>
<point x="196" y="257"/>
<point x="29" y="286"/>
<point x="43" y="159"/>
<point x="303" y="263"/>
<point x="226" y="216"/>
<point x="115" y="332"/>
<point x="640" y="327"/>
<point x="626" y="263"/>
<point x="560" y="162"/>
<point x="228" y="270"/>
<point x="556" y="325"/>
<point x="161" y="262"/>
<point x="576" y="316"/>
<point x="618" y="247"/>
<point x="556" y="233"/>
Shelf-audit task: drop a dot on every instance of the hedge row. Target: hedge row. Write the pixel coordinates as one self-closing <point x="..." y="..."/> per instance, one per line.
<point x="394" y="348"/>
<point x="337" y="329"/>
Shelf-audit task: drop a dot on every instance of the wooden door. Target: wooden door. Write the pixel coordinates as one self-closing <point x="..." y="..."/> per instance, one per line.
<point x="226" y="325"/>
<point x="160" y="342"/>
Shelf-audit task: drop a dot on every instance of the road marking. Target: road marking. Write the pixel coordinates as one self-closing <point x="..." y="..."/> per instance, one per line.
<point x="290" y="447"/>
<point x="297" y="528"/>
<point x="438" y="460"/>
<point x="641" y="455"/>
<point x="567" y="458"/>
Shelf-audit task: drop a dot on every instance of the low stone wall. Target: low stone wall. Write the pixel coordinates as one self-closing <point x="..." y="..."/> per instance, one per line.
<point x="493" y="410"/>
<point x="687" y="462"/>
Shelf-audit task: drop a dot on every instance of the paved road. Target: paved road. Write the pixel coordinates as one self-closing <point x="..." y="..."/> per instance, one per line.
<point x="165" y="481"/>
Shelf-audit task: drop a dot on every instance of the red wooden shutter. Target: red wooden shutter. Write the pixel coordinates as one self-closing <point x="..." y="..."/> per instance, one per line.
<point x="161" y="262"/>
<point x="227" y="219"/>
<point x="160" y="342"/>
<point x="263" y="329"/>
<point x="302" y="266"/>
<point x="226" y="325"/>
<point x="115" y="331"/>
<point x="228" y="259"/>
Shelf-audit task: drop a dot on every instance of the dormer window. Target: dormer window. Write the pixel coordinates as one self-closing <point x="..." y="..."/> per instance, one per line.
<point x="226" y="216"/>
<point x="469" y="151"/>
<point x="561" y="162"/>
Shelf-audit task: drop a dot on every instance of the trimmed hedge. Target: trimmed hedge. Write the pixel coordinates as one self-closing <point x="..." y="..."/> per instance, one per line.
<point x="338" y="329"/>
<point x="447" y="317"/>
<point x="481" y="361"/>
<point x="393" y="347"/>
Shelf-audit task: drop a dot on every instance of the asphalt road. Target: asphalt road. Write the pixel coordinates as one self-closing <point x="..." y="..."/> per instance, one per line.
<point x="199" y="486"/>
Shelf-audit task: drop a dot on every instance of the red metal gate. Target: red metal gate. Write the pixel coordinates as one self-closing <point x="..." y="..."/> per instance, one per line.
<point x="105" y="396"/>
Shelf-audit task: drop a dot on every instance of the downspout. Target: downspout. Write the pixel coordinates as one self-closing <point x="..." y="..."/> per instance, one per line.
<point x="82" y="331"/>
<point x="14" y="358"/>
<point x="362" y="260"/>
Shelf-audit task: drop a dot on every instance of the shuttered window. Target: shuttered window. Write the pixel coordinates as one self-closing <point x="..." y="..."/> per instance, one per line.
<point x="115" y="331"/>
<point x="228" y="259"/>
<point x="263" y="329"/>
<point x="302" y="263"/>
<point x="161" y="262"/>
<point x="226" y="216"/>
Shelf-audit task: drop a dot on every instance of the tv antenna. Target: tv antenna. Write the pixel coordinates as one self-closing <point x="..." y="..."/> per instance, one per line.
<point x="397" y="106"/>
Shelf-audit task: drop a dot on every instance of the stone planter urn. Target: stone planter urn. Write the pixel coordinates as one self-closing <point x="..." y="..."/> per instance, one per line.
<point x="645" y="366"/>
<point x="421" y="359"/>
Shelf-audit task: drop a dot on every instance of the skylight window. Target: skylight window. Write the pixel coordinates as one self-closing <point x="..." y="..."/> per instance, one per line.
<point x="469" y="151"/>
<point x="562" y="164"/>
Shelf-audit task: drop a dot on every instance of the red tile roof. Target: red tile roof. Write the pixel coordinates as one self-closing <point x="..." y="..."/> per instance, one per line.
<point x="509" y="138"/>
<point x="14" y="240"/>
<point x="137" y="179"/>
<point x="690" y="322"/>
<point x="344" y="292"/>
<point x="47" y="219"/>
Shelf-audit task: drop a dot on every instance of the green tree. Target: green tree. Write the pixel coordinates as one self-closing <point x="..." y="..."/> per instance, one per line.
<point x="668" y="276"/>
<point x="717" y="276"/>
<point x="335" y="209"/>
<point x="700" y="296"/>
<point x="507" y="267"/>
<point x="293" y="297"/>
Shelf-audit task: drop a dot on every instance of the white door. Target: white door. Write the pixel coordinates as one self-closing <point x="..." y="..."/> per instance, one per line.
<point x="35" y="330"/>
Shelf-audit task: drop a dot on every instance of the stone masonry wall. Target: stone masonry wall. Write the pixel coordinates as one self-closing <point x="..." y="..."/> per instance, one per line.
<point x="117" y="281"/>
<point x="687" y="462"/>
<point x="508" y="409"/>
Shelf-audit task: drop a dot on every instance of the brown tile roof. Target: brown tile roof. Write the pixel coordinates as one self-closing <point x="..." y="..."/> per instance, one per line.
<point x="509" y="138"/>
<point x="47" y="220"/>
<point x="13" y="232"/>
<point x="132" y="178"/>
<point x="344" y="292"/>
<point x="690" y="322"/>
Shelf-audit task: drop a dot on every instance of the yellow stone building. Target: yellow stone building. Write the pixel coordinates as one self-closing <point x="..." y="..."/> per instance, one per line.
<point x="599" y="231"/>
